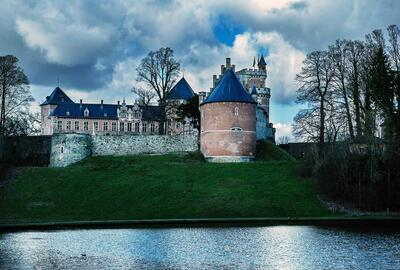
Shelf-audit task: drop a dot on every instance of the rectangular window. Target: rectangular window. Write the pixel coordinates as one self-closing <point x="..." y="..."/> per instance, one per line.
<point x="76" y="125"/>
<point x="59" y="125"/>
<point x="129" y="127"/>
<point x="86" y="125"/>
<point x="121" y="127"/>
<point x="152" y="127"/>
<point x="96" y="126"/>
<point x="144" y="127"/>
<point x="114" y="126"/>
<point x="137" y="127"/>
<point x="105" y="126"/>
<point x="68" y="125"/>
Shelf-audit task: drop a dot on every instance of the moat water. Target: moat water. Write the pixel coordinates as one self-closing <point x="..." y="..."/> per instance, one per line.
<point x="277" y="247"/>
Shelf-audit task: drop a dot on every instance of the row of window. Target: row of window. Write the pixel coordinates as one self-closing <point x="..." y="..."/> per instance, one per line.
<point x="106" y="126"/>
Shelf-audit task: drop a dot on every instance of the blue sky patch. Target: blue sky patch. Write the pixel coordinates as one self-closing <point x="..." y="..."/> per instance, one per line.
<point x="225" y="30"/>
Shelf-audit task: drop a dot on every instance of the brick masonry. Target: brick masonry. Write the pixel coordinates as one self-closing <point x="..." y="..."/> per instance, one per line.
<point x="228" y="131"/>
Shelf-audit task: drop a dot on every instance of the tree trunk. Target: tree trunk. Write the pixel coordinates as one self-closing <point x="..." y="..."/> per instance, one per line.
<point x="3" y="110"/>
<point x="321" y="127"/>
<point x="162" y="119"/>
<point x="346" y="104"/>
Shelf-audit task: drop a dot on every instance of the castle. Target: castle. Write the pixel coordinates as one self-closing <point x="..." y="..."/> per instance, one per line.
<point x="234" y="114"/>
<point x="59" y="114"/>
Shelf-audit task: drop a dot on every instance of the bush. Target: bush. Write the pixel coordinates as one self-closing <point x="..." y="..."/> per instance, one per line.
<point x="306" y="165"/>
<point x="359" y="179"/>
<point x="267" y="151"/>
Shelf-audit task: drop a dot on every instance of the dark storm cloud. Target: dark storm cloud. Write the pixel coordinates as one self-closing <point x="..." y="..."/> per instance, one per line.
<point x="86" y="43"/>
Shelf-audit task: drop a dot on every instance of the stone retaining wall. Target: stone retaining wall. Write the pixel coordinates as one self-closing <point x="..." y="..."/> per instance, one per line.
<point x="134" y="145"/>
<point x="67" y="149"/>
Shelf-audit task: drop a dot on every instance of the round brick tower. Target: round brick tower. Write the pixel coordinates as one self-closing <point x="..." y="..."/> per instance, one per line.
<point x="228" y="122"/>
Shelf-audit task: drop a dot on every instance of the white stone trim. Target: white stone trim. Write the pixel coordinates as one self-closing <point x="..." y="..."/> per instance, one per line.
<point x="221" y="130"/>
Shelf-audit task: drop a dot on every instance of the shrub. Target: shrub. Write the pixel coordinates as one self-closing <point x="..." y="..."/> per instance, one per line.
<point x="267" y="151"/>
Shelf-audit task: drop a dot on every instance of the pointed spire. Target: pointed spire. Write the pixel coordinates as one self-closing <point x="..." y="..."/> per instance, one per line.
<point x="262" y="61"/>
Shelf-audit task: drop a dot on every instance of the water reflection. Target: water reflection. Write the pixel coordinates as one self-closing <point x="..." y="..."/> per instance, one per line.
<point x="280" y="247"/>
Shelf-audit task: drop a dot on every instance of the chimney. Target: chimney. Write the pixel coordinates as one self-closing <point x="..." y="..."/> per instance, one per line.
<point x="214" y="80"/>
<point x="202" y="97"/>
<point x="222" y="69"/>
<point x="233" y="68"/>
<point x="118" y="102"/>
<point x="228" y="62"/>
<point x="101" y="104"/>
<point x="80" y="103"/>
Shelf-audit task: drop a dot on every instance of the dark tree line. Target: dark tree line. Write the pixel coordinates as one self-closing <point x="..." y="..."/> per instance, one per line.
<point x="352" y="93"/>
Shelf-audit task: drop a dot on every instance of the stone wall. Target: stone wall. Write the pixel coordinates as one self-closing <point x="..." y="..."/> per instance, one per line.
<point x="63" y="149"/>
<point x="299" y="150"/>
<point x="67" y="149"/>
<point x="134" y="145"/>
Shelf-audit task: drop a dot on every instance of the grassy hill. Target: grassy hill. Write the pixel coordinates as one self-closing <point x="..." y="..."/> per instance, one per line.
<point x="154" y="187"/>
<point x="267" y="151"/>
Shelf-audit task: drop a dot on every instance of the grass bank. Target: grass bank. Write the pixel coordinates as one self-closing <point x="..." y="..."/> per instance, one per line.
<point x="157" y="187"/>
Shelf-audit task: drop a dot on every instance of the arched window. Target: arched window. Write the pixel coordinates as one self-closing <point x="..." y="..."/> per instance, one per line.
<point x="236" y="111"/>
<point x="236" y="129"/>
<point x="86" y="112"/>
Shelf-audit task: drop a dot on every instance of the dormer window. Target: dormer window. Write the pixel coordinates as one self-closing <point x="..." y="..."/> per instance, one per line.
<point x="67" y="112"/>
<point x="105" y="114"/>
<point x="86" y="112"/>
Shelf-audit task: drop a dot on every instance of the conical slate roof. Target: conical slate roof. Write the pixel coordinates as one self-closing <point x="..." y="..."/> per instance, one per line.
<point x="254" y="90"/>
<point x="262" y="61"/>
<point x="229" y="89"/>
<point x="181" y="90"/>
<point x="57" y="97"/>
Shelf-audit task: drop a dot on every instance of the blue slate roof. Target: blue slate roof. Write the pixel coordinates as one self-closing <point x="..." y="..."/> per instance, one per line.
<point x="254" y="90"/>
<point x="98" y="111"/>
<point x="57" y="97"/>
<point x="181" y="90"/>
<point x="262" y="61"/>
<point x="229" y="89"/>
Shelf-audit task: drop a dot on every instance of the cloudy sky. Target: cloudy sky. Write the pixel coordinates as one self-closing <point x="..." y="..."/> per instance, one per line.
<point x="94" y="47"/>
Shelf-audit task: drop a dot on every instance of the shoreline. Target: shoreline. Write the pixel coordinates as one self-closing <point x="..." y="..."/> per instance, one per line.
<point x="367" y="222"/>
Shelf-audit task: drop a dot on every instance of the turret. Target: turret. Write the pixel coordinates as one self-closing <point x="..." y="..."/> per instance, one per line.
<point x="262" y="65"/>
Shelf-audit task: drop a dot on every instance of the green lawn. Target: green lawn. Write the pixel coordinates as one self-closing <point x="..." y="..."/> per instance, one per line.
<point x="154" y="187"/>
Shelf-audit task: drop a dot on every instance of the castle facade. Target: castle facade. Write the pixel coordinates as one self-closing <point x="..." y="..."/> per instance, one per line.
<point x="59" y="114"/>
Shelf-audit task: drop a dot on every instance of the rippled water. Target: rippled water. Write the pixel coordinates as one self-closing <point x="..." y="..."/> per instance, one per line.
<point x="279" y="247"/>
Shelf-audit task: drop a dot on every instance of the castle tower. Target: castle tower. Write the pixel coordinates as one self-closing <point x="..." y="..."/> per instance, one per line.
<point x="228" y="122"/>
<point x="262" y="65"/>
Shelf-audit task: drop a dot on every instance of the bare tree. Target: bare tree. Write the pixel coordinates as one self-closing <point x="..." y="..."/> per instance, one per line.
<point x="14" y="86"/>
<point x="355" y="55"/>
<point x="145" y="96"/>
<point x="159" y="71"/>
<point x="306" y="125"/>
<point x="340" y="82"/>
<point x="315" y="81"/>
<point x="394" y="52"/>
